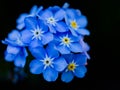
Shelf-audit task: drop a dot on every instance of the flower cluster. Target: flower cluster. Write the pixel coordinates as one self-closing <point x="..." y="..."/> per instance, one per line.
<point x="55" y="38"/>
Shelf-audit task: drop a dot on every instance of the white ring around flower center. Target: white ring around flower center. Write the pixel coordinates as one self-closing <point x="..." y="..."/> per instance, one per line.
<point x="51" y="20"/>
<point x="72" y="66"/>
<point x="37" y="33"/>
<point x="47" y="61"/>
<point x="65" y="41"/>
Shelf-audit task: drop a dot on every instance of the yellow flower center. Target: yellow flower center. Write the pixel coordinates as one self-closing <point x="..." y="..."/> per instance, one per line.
<point x="74" y="24"/>
<point x="66" y="40"/>
<point x="71" y="66"/>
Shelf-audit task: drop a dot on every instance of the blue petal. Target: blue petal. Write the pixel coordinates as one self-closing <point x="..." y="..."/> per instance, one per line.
<point x="25" y="52"/>
<point x="47" y="37"/>
<point x="85" y="46"/>
<point x="38" y="52"/>
<point x="21" y="18"/>
<point x="39" y="10"/>
<point x="26" y="36"/>
<point x="52" y="29"/>
<point x="63" y="49"/>
<point x="67" y="20"/>
<point x="78" y="13"/>
<point x="18" y="42"/>
<point x="74" y="39"/>
<point x="20" y="60"/>
<point x="60" y="64"/>
<point x="61" y="27"/>
<point x="46" y="14"/>
<point x="59" y="15"/>
<point x="14" y="35"/>
<point x="9" y="57"/>
<point x="10" y="42"/>
<point x="33" y="10"/>
<point x="71" y="13"/>
<point x="35" y="43"/>
<point x="67" y="76"/>
<point x="87" y="55"/>
<point x="76" y="47"/>
<point x="4" y="42"/>
<point x="57" y="37"/>
<point x="42" y="25"/>
<point x="80" y="71"/>
<point x="83" y="31"/>
<point x="50" y="74"/>
<point x="80" y="59"/>
<point x="13" y="50"/>
<point x="73" y="32"/>
<point x="68" y="57"/>
<point x="82" y="21"/>
<point x="51" y="51"/>
<point x="36" y="67"/>
<point x="20" y="26"/>
<point x="54" y="9"/>
<point x="65" y="5"/>
<point x="30" y="23"/>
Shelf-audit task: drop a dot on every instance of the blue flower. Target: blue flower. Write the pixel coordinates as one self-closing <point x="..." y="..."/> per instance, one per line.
<point x="48" y="61"/>
<point x="15" y="49"/>
<point x="36" y="33"/>
<point x="66" y="43"/>
<point x="53" y="18"/>
<point x="76" y="22"/>
<point x="20" y="21"/>
<point x="76" y="67"/>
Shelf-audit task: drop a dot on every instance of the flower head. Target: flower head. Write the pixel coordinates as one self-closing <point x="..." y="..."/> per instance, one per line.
<point x="48" y="61"/>
<point x="53" y="17"/>
<point x="76" y="67"/>
<point x="55" y="38"/>
<point x="76" y="22"/>
<point x="36" y="33"/>
<point x="15" y="49"/>
<point x="66" y="43"/>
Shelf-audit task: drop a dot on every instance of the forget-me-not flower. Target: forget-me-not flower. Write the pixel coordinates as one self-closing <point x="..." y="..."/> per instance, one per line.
<point x="53" y="18"/>
<point x="76" y="67"/>
<point x="15" y="49"/>
<point x="48" y="61"/>
<point x="76" y="22"/>
<point x="36" y="32"/>
<point x="66" y="43"/>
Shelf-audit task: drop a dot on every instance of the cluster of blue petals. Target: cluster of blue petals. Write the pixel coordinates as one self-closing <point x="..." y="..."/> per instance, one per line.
<point x="55" y="38"/>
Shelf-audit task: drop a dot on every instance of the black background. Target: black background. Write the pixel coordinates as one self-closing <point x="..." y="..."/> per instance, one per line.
<point x="103" y="68"/>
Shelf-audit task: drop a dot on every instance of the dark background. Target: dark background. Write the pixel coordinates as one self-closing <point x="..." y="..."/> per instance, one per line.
<point x="103" y="68"/>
